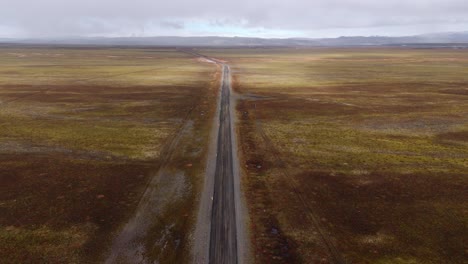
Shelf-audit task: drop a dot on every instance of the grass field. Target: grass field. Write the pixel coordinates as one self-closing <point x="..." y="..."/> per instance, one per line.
<point x="82" y="130"/>
<point x="359" y="152"/>
<point x="362" y="152"/>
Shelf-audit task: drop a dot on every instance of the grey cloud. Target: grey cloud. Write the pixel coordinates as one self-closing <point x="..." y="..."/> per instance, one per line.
<point x="172" y="24"/>
<point x="157" y="17"/>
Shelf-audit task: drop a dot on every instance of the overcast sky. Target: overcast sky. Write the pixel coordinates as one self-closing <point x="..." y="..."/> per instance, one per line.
<point x="259" y="18"/>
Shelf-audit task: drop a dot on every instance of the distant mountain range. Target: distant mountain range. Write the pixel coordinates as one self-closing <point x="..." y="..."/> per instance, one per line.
<point x="453" y="39"/>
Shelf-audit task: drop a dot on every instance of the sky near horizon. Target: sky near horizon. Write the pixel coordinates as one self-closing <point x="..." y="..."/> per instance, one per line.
<point x="245" y="18"/>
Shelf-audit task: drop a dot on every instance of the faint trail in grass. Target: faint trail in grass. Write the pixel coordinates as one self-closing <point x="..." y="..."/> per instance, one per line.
<point x="161" y="190"/>
<point x="312" y="218"/>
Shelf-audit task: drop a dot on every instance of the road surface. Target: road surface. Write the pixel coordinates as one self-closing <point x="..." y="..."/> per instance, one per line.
<point x="220" y="234"/>
<point x="223" y="235"/>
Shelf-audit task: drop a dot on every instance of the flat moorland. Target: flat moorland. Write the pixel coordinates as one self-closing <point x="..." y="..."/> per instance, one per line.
<point x="82" y="132"/>
<point x="354" y="154"/>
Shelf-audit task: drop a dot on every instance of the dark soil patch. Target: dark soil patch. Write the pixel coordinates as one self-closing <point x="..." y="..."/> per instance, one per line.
<point x="457" y="136"/>
<point x="60" y="191"/>
<point x="419" y="211"/>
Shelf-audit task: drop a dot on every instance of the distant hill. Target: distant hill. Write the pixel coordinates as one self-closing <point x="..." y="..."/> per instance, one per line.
<point x="438" y="39"/>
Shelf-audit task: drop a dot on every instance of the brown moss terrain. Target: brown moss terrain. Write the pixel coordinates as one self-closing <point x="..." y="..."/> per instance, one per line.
<point x="82" y="131"/>
<point x="354" y="154"/>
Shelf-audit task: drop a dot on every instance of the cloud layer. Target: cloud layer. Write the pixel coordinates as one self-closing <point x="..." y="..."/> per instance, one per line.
<point x="272" y="18"/>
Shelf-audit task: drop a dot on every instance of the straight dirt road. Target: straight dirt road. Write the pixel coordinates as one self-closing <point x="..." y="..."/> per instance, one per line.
<point x="223" y="235"/>
<point x="220" y="235"/>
